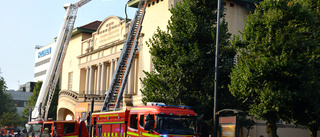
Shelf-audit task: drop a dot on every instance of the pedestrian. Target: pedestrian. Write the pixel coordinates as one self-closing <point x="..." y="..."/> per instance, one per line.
<point x="8" y="133"/>
<point x="2" y="133"/>
<point x="18" y="134"/>
<point x="55" y="133"/>
<point x="24" y="133"/>
<point x="45" y="132"/>
<point x="88" y="118"/>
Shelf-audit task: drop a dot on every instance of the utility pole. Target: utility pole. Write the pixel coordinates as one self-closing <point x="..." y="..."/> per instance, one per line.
<point x="216" y="71"/>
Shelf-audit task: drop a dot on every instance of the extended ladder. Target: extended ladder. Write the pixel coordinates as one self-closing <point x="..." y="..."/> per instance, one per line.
<point x="49" y="84"/>
<point x="119" y="78"/>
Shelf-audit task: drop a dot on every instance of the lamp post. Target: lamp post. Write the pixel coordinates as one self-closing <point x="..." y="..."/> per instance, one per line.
<point x="216" y="70"/>
<point x="30" y="112"/>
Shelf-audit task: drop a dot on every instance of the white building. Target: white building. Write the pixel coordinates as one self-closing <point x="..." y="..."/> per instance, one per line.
<point x="42" y="61"/>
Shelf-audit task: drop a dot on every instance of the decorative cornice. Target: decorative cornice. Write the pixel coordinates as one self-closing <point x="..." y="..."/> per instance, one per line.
<point x="101" y="48"/>
<point x="69" y="94"/>
<point x="82" y="97"/>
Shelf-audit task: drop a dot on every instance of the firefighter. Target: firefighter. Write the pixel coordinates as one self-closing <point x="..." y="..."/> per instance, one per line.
<point x="24" y="133"/>
<point x="2" y="133"/>
<point x="45" y="132"/>
<point x="55" y="133"/>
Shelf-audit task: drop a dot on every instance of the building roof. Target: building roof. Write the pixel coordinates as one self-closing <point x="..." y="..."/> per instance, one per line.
<point x="93" y="25"/>
<point x="19" y="95"/>
<point x="88" y="28"/>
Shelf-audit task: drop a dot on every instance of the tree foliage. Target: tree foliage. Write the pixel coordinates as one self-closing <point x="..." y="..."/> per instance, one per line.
<point x="6" y="104"/>
<point x="308" y="112"/>
<point x="10" y="119"/>
<point x="6" y="101"/>
<point x="33" y="99"/>
<point x="183" y="60"/>
<point x="54" y="104"/>
<point x="277" y="73"/>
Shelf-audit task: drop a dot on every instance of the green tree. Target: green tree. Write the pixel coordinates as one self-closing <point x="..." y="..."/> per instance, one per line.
<point x="183" y="60"/>
<point x="33" y="99"/>
<point x="10" y="119"/>
<point x="6" y="101"/>
<point x="309" y="110"/>
<point x="277" y="71"/>
<point x="54" y="104"/>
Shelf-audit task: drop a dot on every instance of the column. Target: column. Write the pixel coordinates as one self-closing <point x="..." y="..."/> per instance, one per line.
<point x="111" y="70"/>
<point x="87" y="80"/>
<point x="131" y="78"/>
<point x="103" y="78"/>
<point x="99" y="79"/>
<point x="91" y="80"/>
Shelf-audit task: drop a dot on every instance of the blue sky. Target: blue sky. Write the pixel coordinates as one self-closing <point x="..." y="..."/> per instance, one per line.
<point x="26" y="23"/>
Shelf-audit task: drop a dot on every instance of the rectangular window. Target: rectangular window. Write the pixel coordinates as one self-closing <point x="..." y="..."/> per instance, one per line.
<point x="68" y="128"/>
<point x="18" y="103"/>
<point x="141" y="120"/>
<point x="134" y="121"/>
<point x="49" y="126"/>
<point x="70" y="79"/>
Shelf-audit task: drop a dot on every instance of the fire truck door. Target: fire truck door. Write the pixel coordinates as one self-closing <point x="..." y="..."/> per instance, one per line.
<point x="141" y="124"/>
<point x="133" y="126"/>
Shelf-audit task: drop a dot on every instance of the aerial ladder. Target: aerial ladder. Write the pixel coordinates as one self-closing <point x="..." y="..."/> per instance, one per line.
<point x="44" y="100"/>
<point x="119" y="78"/>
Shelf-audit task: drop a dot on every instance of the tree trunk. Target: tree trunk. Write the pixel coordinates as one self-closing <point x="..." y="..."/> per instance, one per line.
<point x="313" y="131"/>
<point x="271" y="128"/>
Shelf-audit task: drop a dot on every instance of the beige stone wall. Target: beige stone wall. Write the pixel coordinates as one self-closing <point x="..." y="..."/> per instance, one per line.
<point x="235" y="16"/>
<point x="157" y="15"/>
<point x="70" y="64"/>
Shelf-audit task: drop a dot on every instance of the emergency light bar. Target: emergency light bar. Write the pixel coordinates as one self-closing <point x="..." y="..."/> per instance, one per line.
<point x="155" y="104"/>
<point x="164" y="105"/>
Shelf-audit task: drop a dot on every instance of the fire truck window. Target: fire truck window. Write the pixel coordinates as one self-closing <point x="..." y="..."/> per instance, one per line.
<point x="134" y="121"/>
<point x="49" y="126"/>
<point x="141" y="120"/>
<point x="68" y="128"/>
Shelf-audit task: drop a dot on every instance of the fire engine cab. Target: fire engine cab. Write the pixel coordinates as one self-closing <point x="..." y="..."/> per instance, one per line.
<point x="157" y="120"/>
<point x="63" y="128"/>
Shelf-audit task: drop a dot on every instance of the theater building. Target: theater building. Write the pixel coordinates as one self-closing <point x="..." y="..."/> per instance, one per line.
<point x="93" y="53"/>
<point x="94" y="50"/>
<point x="92" y="57"/>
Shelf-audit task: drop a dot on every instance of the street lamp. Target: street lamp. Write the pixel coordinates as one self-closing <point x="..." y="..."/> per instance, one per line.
<point x="30" y="112"/>
<point x="216" y="71"/>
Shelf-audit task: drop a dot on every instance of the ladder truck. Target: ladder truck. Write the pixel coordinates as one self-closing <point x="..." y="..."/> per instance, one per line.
<point x="155" y="119"/>
<point x="39" y="116"/>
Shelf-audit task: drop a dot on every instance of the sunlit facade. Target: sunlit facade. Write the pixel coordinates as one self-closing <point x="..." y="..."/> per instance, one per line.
<point x="93" y="54"/>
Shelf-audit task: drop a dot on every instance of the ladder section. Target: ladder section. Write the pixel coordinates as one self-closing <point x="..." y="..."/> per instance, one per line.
<point x="61" y="54"/>
<point x="119" y="78"/>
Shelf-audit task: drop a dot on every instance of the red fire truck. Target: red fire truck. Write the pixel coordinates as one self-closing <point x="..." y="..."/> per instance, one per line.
<point x="145" y="121"/>
<point x="39" y="115"/>
<point x="63" y="128"/>
<point x="7" y="129"/>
